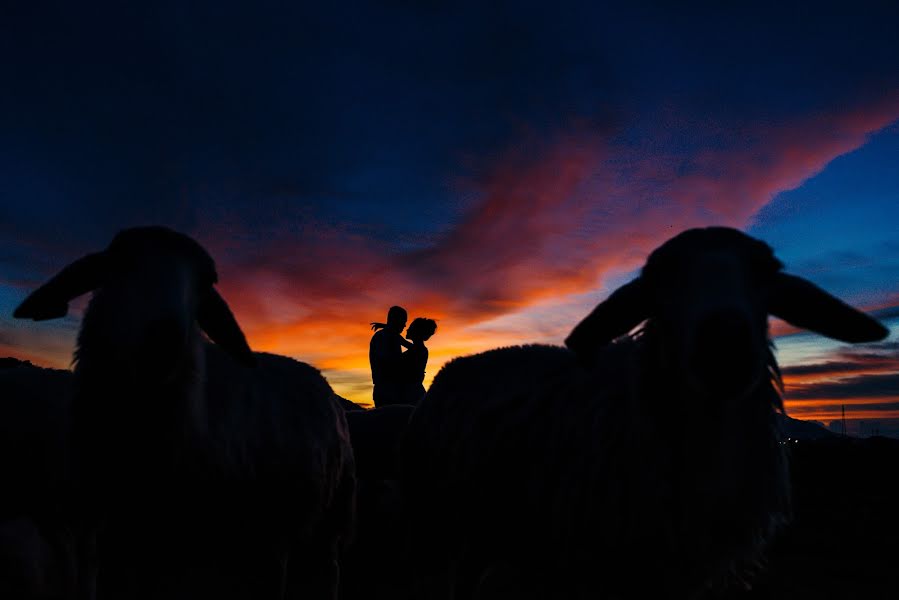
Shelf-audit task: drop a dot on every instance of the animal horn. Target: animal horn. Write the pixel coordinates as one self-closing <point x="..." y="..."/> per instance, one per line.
<point x="216" y="319"/>
<point x="803" y="304"/>
<point x="619" y="313"/>
<point x="51" y="300"/>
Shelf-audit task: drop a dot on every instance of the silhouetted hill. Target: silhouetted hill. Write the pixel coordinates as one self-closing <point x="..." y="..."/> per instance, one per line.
<point x="8" y="362"/>
<point x="348" y="404"/>
<point x="804" y="430"/>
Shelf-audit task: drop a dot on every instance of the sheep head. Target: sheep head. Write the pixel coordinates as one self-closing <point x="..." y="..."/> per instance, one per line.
<point x="706" y="295"/>
<point x="152" y="288"/>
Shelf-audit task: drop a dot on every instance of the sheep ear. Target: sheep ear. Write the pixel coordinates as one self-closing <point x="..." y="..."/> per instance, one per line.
<point x="51" y="300"/>
<point x="619" y="313"/>
<point x="216" y="319"/>
<point x="803" y="304"/>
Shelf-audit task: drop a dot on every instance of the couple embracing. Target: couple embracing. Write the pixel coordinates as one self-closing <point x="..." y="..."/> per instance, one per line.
<point x="398" y="376"/>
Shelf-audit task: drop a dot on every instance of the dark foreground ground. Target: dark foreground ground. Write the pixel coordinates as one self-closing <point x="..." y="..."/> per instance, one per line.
<point x="842" y="543"/>
<point x="844" y="540"/>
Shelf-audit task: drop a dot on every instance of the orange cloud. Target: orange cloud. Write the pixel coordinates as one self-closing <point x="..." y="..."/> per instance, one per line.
<point x="831" y="410"/>
<point x="844" y="366"/>
<point x="863" y="380"/>
<point x="40" y="345"/>
<point x="39" y="356"/>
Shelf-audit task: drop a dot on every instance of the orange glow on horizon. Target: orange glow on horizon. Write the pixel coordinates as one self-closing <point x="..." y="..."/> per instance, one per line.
<point x="551" y="223"/>
<point x="816" y="412"/>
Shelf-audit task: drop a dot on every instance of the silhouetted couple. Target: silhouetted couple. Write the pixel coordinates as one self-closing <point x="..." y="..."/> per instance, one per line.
<point x="398" y="376"/>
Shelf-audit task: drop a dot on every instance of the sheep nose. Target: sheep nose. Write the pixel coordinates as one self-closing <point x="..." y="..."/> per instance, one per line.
<point x="722" y="327"/>
<point x="166" y="334"/>
<point x="724" y="350"/>
<point x="163" y="345"/>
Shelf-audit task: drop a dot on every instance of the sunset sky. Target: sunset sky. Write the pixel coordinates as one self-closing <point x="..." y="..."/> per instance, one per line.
<point x="500" y="169"/>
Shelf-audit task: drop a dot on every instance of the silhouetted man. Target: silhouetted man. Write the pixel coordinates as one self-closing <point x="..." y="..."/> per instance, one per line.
<point x="384" y="354"/>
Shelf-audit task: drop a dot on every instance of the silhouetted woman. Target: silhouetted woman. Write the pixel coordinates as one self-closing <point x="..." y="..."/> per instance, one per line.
<point x="415" y="359"/>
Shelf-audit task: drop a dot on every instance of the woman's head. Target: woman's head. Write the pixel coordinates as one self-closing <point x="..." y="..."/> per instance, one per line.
<point x="421" y="329"/>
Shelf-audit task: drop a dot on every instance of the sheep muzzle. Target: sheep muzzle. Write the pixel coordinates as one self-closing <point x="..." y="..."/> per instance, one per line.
<point x="725" y="355"/>
<point x="163" y="347"/>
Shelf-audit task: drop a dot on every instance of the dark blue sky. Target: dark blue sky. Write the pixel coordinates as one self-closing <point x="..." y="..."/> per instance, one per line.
<point x="498" y="167"/>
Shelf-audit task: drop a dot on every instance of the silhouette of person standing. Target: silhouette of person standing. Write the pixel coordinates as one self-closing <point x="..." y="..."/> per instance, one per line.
<point x="414" y="361"/>
<point x="384" y="354"/>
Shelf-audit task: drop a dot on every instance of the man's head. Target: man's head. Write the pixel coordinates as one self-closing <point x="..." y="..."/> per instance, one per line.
<point x="396" y="318"/>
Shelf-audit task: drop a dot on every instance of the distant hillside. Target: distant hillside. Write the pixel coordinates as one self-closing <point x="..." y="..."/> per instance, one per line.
<point x="8" y="362"/>
<point x="11" y="362"/>
<point x="348" y="404"/>
<point x="805" y="430"/>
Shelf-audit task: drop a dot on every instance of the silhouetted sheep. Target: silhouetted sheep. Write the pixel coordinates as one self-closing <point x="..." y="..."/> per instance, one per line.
<point x="35" y="420"/>
<point x="650" y="466"/>
<point x="36" y="562"/>
<point x="375" y="563"/>
<point x="36" y="545"/>
<point x="376" y="434"/>
<point x="191" y="450"/>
